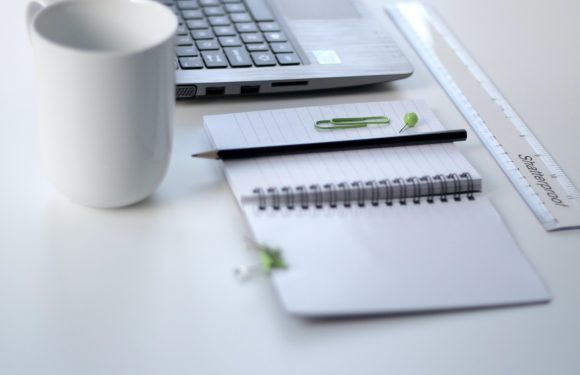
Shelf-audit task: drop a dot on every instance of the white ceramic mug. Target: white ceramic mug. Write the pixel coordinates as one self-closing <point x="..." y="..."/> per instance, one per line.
<point x="105" y="90"/>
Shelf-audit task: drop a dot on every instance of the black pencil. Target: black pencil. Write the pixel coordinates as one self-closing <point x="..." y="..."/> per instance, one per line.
<point x="351" y="144"/>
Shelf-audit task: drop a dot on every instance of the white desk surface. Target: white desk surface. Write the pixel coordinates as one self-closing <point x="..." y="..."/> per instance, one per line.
<point x="149" y="289"/>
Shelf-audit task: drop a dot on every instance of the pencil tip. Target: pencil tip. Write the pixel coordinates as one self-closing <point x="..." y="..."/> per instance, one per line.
<point x="206" y="155"/>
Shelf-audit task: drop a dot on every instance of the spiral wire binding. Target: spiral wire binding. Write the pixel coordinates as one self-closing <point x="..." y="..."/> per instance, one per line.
<point x="443" y="185"/>
<point x="416" y="189"/>
<point x="431" y="188"/>
<point x="289" y="194"/>
<point x="374" y="192"/>
<point x="261" y="198"/>
<point x="317" y="195"/>
<point x="402" y="190"/>
<point x="333" y="201"/>
<point x="361" y="192"/>
<point x="303" y="194"/>
<point x="470" y="187"/>
<point x="344" y="187"/>
<point x="456" y="186"/>
<point x="388" y="191"/>
<point x="275" y="197"/>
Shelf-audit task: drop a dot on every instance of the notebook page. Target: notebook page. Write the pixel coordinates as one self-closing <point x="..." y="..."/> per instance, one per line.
<point x="393" y="259"/>
<point x="296" y="125"/>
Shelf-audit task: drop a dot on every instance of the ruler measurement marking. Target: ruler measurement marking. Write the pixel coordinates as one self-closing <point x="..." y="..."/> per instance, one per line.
<point x="528" y="175"/>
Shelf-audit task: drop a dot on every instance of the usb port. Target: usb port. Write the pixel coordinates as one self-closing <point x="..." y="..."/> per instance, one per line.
<point x="214" y="91"/>
<point x="246" y="90"/>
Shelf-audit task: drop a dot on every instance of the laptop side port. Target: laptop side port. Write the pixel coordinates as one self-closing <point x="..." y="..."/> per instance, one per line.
<point x="185" y="92"/>
<point x="289" y="83"/>
<point x="248" y="90"/>
<point x="215" y="91"/>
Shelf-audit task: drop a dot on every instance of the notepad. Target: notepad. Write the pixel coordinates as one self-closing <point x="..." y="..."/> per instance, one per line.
<point x="372" y="231"/>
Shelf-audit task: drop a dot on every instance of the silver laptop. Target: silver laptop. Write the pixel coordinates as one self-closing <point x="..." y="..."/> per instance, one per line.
<point x="247" y="47"/>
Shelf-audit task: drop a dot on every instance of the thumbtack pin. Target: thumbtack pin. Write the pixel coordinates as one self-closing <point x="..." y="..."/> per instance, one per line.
<point x="410" y="120"/>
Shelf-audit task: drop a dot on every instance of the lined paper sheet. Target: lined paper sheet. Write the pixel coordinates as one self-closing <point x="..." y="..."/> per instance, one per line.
<point x="296" y="126"/>
<point x="370" y="260"/>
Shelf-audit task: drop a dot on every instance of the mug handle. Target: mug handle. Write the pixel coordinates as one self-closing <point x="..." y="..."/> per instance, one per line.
<point x="32" y="9"/>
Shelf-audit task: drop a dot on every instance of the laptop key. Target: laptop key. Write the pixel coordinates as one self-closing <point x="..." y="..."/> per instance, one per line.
<point x="190" y="63"/>
<point x="192" y="14"/>
<point x="288" y="59"/>
<point x="183" y="40"/>
<point x="238" y="57"/>
<point x="263" y="59"/>
<point x="202" y="34"/>
<point x="210" y="44"/>
<point x="197" y="24"/>
<point x="224" y="31"/>
<point x="214" y="59"/>
<point x="259" y="10"/>
<point x="187" y="4"/>
<point x="283" y="47"/>
<point x="214" y="11"/>
<point x="230" y="41"/>
<point x="256" y="47"/>
<point x="275" y="37"/>
<point x="269" y="26"/>
<point x="182" y="30"/>
<point x="246" y="27"/>
<point x="186" y="51"/>
<point x="240" y="17"/>
<point x="235" y="8"/>
<point x="219" y="21"/>
<point x="252" y="37"/>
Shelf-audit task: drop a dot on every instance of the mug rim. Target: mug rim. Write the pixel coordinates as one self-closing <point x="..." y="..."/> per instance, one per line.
<point x="124" y="52"/>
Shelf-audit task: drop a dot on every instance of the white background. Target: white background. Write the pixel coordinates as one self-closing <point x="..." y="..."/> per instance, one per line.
<point x="149" y="289"/>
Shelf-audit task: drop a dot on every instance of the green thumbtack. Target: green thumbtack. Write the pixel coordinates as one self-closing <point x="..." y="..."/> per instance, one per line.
<point x="410" y="120"/>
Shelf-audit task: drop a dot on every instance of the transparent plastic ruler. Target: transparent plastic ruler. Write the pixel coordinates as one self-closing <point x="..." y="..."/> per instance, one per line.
<point x="541" y="182"/>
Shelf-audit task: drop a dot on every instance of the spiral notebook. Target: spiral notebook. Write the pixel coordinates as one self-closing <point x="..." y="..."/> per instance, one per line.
<point x="386" y="230"/>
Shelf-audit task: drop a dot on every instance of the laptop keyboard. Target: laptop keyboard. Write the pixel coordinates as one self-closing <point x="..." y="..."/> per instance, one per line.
<point x="229" y="34"/>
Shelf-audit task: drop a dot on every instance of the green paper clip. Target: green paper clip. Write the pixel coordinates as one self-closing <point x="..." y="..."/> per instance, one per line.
<point x="350" y="122"/>
<point x="271" y="259"/>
